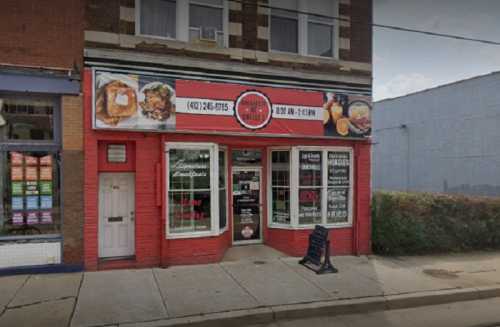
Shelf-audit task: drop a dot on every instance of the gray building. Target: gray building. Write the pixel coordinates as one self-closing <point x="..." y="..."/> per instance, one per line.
<point x="444" y="139"/>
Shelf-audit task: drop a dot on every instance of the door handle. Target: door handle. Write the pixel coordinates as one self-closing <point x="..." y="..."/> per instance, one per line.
<point x="132" y="215"/>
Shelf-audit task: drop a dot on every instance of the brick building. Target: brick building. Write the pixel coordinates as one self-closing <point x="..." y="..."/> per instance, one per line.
<point x="213" y="123"/>
<point x="41" y="135"/>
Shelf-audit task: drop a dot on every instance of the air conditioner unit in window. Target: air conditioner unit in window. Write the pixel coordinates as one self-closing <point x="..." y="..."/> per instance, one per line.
<point x="208" y="34"/>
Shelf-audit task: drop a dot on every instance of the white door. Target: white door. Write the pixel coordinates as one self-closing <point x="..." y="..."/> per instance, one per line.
<point x="116" y="215"/>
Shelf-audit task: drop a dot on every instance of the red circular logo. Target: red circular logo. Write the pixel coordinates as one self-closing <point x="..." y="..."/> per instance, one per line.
<point x="253" y="109"/>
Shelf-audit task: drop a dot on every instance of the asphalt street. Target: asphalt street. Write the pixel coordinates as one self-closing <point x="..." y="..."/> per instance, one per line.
<point x="479" y="313"/>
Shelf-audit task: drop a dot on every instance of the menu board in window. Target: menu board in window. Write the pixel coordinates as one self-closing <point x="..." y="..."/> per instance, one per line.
<point x="310" y="168"/>
<point x="338" y="187"/>
<point x="338" y="169"/>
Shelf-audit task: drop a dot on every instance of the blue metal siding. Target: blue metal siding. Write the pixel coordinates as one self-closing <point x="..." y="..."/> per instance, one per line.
<point x="451" y="142"/>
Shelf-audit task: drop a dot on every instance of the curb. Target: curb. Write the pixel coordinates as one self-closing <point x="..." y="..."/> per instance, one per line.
<point x="272" y="314"/>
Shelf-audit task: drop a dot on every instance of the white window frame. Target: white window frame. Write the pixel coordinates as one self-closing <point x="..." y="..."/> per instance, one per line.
<point x="182" y="21"/>
<point x="294" y="187"/>
<point x="223" y="149"/>
<point x="214" y="189"/>
<point x="270" y="187"/>
<point x="302" y="24"/>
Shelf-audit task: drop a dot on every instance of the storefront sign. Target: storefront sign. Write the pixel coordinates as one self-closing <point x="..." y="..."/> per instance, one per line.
<point x="131" y="101"/>
<point x="146" y="102"/>
<point x="253" y="110"/>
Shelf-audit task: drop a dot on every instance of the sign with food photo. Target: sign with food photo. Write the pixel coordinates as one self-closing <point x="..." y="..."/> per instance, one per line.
<point x="136" y="102"/>
<point x="141" y="102"/>
<point x="346" y="115"/>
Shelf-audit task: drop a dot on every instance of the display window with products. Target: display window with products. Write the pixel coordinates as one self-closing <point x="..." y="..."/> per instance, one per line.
<point x="29" y="168"/>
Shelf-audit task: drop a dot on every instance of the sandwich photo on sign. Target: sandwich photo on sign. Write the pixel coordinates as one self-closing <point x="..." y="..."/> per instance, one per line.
<point x="128" y="101"/>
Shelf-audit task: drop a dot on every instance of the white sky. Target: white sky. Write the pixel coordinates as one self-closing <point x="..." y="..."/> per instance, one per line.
<point x="407" y="62"/>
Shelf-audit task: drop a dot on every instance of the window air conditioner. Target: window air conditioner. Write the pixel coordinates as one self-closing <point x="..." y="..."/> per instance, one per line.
<point x="208" y="34"/>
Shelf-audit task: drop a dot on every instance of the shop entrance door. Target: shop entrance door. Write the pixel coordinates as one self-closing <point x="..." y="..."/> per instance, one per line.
<point x="116" y="215"/>
<point x="247" y="205"/>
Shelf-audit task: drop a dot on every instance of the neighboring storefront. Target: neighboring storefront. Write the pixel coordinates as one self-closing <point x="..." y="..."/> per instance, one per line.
<point x="180" y="167"/>
<point x="31" y="205"/>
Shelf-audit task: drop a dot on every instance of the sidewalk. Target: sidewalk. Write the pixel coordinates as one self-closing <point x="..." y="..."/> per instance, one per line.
<point x="254" y="284"/>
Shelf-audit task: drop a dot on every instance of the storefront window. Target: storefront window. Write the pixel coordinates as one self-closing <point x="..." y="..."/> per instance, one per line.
<point x="27" y="119"/>
<point x="29" y="184"/>
<point x="310" y="187"/>
<point x="189" y="190"/>
<point x="222" y="190"/>
<point x="29" y="168"/>
<point x="280" y="186"/>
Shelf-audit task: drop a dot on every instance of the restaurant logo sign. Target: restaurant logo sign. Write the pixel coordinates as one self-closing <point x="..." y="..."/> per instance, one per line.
<point x="253" y="109"/>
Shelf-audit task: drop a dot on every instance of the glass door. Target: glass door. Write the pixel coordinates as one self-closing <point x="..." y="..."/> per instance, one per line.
<point x="247" y="205"/>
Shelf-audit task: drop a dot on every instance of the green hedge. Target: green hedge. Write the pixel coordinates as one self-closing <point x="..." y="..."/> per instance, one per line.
<point x="419" y="223"/>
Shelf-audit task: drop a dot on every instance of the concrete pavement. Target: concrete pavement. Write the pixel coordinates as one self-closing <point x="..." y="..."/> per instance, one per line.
<point x="253" y="284"/>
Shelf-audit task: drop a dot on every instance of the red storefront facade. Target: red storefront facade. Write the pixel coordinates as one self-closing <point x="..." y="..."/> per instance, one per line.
<point x="287" y="167"/>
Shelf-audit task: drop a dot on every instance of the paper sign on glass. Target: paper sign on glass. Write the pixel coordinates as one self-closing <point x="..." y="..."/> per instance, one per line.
<point x="16" y="173"/>
<point x="32" y="202"/>
<point x="31" y="161"/>
<point x="17" y="203"/>
<point x="46" y="160"/>
<point x="45" y="217"/>
<point x="46" y="173"/>
<point x="46" y="202"/>
<point x="16" y="158"/>
<point x="17" y="218"/>
<point x="32" y="218"/>
<point x="31" y="173"/>
<point x="17" y="188"/>
<point x="31" y="188"/>
<point x="45" y="187"/>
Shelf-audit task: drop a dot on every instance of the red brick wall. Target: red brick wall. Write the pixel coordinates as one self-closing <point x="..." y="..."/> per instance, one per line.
<point x="41" y="33"/>
<point x="152" y="248"/>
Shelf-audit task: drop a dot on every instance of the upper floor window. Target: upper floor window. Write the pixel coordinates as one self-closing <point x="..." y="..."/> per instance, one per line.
<point x="158" y="18"/>
<point x="206" y="21"/>
<point x="303" y="27"/>
<point x="196" y="21"/>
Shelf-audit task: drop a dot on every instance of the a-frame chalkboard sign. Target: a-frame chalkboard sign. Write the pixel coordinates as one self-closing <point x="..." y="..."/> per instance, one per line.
<point x="319" y="246"/>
